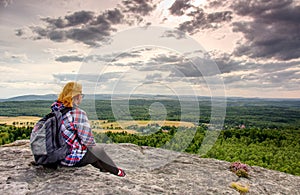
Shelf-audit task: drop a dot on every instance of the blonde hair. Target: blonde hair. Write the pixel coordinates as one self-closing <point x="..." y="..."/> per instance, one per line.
<point x="69" y="91"/>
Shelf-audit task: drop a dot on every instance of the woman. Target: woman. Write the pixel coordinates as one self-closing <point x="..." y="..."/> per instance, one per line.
<point x="78" y="135"/>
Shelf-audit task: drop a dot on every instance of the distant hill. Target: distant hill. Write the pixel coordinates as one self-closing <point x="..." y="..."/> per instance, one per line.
<point x="31" y="98"/>
<point x="52" y="97"/>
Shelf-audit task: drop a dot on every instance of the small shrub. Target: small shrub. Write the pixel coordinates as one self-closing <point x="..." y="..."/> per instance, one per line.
<point x="240" y="169"/>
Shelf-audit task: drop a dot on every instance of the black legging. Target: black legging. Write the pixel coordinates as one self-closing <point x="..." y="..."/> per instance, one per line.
<point x="97" y="157"/>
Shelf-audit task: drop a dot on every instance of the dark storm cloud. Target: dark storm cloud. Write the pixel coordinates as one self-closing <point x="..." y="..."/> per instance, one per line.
<point x="85" y="18"/>
<point x="226" y="64"/>
<point x="216" y="3"/>
<point x="57" y="36"/>
<point x="274" y="31"/>
<point x="143" y="7"/>
<point x="114" y="16"/>
<point x="88" y="27"/>
<point x="135" y="10"/>
<point x="81" y="26"/>
<point x="81" y="17"/>
<point x="199" y="18"/>
<point x="90" y="35"/>
<point x="77" y="18"/>
<point x="202" y="20"/>
<point x="179" y="7"/>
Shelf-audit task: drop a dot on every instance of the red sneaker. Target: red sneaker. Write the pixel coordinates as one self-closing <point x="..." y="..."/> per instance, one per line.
<point x="121" y="173"/>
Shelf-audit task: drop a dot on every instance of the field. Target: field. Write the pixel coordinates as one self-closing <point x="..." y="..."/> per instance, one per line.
<point x="131" y="126"/>
<point x="19" y="121"/>
<point x="98" y="125"/>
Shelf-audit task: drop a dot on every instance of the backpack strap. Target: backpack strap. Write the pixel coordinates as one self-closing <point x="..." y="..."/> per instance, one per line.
<point x="65" y="110"/>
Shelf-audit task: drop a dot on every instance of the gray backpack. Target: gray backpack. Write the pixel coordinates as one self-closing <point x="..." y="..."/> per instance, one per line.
<point x="46" y="141"/>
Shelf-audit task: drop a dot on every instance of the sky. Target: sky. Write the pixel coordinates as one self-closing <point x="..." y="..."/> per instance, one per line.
<point x="241" y="48"/>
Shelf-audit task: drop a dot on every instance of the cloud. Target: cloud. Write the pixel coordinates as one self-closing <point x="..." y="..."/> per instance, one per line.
<point x="87" y="27"/>
<point x="82" y="26"/>
<point x="65" y="59"/>
<point x="174" y="65"/>
<point x="282" y="80"/>
<point x="143" y="7"/>
<point x="273" y="32"/>
<point x="270" y="29"/>
<point x="216" y="3"/>
<point x="154" y="76"/>
<point x="174" y="33"/>
<point x="184" y="70"/>
<point x="8" y="70"/>
<point x="115" y="58"/>
<point x="287" y="79"/>
<point x="77" y="18"/>
<point x="202" y="20"/>
<point x="19" y="32"/>
<point x="125" y="55"/>
<point x="241" y="73"/>
<point x="14" y="58"/>
<point x="167" y="58"/>
<point x="179" y="7"/>
<point x="5" y="3"/>
<point x="94" y="78"/>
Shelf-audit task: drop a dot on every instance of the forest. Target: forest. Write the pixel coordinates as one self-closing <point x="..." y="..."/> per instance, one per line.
<point x="270" y="148"/>
<point x="257" y="132"/>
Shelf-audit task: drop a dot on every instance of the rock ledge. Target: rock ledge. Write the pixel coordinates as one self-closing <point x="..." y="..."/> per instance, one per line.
<point x="149" y="171"/>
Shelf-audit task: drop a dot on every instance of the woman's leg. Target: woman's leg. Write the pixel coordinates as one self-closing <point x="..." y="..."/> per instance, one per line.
<point x="104" y="161"/>
<point x="97" y="157"/>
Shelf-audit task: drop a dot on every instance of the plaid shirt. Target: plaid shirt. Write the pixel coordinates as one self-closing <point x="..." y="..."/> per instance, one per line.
<point x="78" y="135"/>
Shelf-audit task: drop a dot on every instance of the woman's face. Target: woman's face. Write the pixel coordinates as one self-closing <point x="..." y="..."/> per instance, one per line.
<point x="77" y="99"/>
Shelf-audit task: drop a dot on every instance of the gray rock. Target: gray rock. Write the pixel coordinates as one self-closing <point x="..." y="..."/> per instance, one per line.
<point x="149" y="171"/>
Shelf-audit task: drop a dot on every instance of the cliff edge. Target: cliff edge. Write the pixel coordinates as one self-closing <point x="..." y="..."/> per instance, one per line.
<point x="149" y="171"/>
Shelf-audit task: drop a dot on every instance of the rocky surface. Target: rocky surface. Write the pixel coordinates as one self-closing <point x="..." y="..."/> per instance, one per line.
<point x="149" y="171"/>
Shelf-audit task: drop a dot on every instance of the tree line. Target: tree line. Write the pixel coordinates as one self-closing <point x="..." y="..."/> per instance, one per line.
<point x="10" y="133"/>
<point x="276" y="149"/>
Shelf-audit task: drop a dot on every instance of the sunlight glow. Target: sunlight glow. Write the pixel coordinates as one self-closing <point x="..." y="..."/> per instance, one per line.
<point x="198" y="2"/>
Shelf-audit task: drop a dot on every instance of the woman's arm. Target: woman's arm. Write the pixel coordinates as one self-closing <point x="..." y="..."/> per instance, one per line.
<point x="83" y="128"/>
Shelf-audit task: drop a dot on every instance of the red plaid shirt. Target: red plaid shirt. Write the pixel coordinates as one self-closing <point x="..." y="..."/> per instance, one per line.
<point x="78" y="135"/>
